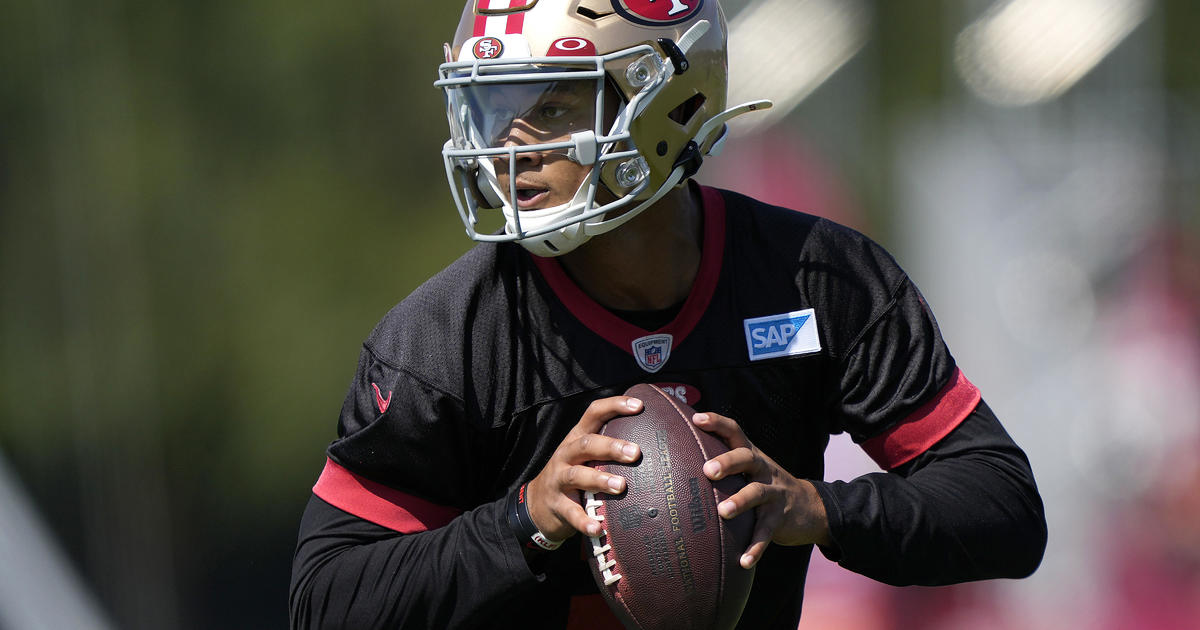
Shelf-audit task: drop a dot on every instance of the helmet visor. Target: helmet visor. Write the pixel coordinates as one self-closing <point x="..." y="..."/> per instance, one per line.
<point x="495" y="115"/>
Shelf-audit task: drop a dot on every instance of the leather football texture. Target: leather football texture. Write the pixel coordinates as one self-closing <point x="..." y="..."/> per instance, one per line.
<point x="666" y="559"/>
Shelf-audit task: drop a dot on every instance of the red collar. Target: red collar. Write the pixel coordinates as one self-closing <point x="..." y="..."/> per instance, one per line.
<point x="620" y="332"/>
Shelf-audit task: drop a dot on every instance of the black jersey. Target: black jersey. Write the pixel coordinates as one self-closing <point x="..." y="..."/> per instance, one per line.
<point x="795" y="327"/>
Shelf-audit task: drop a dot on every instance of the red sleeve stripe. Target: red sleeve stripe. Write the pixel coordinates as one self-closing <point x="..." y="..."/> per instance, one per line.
<point x="932" y="422"/>
<point x="378" y="503"/>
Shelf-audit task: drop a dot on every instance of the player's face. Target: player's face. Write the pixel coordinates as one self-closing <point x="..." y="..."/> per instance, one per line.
<point x="518" y="115"/>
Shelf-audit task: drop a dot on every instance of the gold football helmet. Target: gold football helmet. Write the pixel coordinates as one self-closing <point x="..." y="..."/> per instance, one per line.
<point x="645" y="85"/>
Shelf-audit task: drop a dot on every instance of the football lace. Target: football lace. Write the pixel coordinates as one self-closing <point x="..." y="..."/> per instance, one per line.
<point x="599" y="546"/>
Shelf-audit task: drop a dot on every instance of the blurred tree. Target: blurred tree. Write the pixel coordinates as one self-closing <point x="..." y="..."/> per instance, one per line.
<point x="206" y="206"/>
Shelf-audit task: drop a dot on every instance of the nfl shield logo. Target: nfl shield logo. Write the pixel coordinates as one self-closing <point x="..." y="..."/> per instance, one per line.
<point x="652" y="351"/>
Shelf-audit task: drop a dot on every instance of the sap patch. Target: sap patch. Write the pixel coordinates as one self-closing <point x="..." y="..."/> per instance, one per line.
<point x="781" y="335"/>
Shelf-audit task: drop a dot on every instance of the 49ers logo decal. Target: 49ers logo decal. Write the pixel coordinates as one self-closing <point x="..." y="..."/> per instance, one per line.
<point x="657" y="12"/>
<point x="488" y="48"/>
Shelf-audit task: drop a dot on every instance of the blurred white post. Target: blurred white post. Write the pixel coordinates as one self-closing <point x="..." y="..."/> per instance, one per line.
<point x="39" y="589"/>
<point x="782" y="50"/>
<point x="1020" y="208"/>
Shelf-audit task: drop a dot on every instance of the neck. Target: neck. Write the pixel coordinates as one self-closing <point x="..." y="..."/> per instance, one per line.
<point x="648" y="263"/>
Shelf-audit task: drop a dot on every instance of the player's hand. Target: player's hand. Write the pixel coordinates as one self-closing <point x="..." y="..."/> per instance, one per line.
<point x="553" y="496"/>
<point x="788" y="511"/>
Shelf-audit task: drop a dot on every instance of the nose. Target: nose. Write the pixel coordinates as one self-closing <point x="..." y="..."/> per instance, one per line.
<point x="516" y="138"/>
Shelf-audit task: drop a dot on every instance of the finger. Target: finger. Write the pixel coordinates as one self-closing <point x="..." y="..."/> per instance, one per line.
<point x="764" y="530"/>
<point x="596" y="447"/>
<point x="749" y="497"/>
<point x="590" y="479"/>
<point x="604" y="409"/>
<point x="725" y="428"/>
<point x="737" y="461"/>
<point x="574" y="515"/>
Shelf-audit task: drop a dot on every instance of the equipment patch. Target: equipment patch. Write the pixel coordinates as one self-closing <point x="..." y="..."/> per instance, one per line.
<point x="652" y="351"/>
<point x="660" y="13"/>
<point x="782" y="335"/>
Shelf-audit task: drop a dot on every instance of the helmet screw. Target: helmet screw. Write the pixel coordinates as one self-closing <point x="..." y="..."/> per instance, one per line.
<point x="644" y="71"/>
<point x="632" y="172"/>
<point x="661" y="149"/>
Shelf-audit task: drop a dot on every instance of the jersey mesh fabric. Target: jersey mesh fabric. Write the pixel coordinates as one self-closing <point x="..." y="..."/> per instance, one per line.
<point x="487" y="367"/>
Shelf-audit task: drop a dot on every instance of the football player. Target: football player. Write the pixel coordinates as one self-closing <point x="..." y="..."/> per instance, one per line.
<point x="452" y="490"/>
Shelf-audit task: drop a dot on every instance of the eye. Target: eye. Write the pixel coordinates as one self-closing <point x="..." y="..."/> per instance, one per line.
<point x="553" y="111"/>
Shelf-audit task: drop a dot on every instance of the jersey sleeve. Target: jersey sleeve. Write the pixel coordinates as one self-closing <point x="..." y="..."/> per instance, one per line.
<point x="958" y="501"/>
<point x="400" y="531"/>
<point x="399" y="432"/>
<point x="966" y="508"/>
<point x="900" y="390"/>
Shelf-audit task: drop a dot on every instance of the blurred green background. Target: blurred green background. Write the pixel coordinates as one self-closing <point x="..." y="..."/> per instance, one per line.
<point x="206" y="206"/>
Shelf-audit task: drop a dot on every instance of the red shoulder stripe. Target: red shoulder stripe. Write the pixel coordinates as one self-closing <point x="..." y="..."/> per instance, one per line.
<point x="378" y="503"/>
<point x="921" y="430"/>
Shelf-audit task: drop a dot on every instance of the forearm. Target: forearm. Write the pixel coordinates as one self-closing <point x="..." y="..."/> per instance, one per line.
<point x="349" y="573"/>
<point x="967" y="509"/>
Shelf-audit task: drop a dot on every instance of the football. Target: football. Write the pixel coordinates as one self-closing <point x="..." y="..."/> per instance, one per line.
<point x="666" y="559"/>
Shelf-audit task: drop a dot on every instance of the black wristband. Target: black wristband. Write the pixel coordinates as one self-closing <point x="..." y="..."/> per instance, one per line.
<point x="522" y="525"/>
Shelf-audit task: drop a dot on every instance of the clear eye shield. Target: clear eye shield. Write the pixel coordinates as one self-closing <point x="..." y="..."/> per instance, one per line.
<point x="513" y="110"/>
<point x="501" y="115"/>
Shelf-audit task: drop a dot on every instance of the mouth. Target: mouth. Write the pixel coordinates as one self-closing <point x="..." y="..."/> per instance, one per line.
<point x="531" y="197"/>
